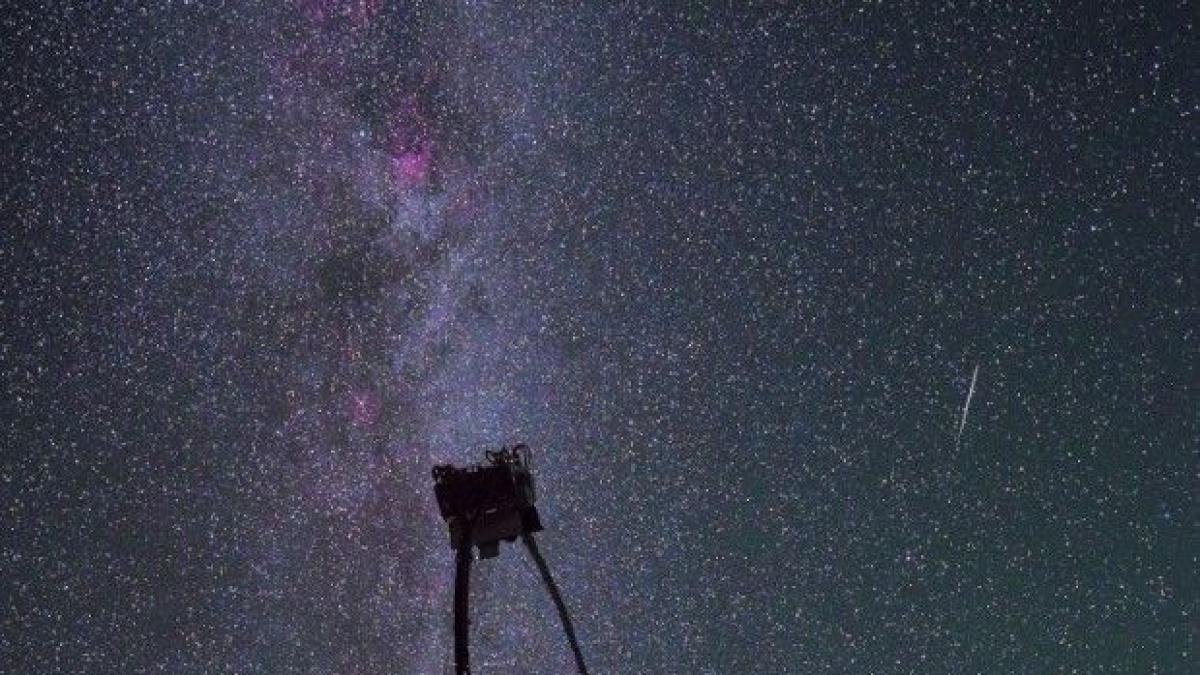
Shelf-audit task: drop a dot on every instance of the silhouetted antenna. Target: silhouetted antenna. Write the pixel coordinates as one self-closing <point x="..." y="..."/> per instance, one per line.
<point x="483" y="505"/>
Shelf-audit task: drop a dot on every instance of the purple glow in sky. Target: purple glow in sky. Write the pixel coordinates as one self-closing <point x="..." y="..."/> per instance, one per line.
<point x="725" y="267"/>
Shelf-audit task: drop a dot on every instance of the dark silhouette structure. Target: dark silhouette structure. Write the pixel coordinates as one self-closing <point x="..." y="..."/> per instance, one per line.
<point x="483" y="505"/>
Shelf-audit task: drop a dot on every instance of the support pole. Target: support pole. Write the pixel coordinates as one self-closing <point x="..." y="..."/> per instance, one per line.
<point x="462" y="597"/>
<point x="552" y="587"/>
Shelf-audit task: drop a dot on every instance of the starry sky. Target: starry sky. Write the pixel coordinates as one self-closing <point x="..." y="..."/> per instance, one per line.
<point x="728" y="268"/>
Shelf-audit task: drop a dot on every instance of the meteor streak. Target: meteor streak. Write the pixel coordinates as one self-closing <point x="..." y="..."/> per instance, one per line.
<point x="962" y="424"/>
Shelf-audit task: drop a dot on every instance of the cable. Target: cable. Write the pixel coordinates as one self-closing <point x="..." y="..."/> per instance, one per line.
<point x="462" y="597"/>
<point x="548" y="580"/>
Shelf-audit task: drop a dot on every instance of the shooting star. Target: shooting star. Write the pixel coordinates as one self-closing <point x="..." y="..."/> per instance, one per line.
<point x="962" y="424"/>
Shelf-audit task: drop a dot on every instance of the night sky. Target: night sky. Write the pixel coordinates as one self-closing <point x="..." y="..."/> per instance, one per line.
<point x="728" y="270"/>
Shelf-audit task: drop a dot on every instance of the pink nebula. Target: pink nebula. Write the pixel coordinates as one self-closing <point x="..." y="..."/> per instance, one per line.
<point x="409" y="146"/>
<point x="364" y="407"/>
<point x="411" y="168"/>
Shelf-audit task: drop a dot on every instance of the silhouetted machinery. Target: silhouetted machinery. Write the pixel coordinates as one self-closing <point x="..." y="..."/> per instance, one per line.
<point x="484" y="505"/>
<point x="487" y="504"/>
